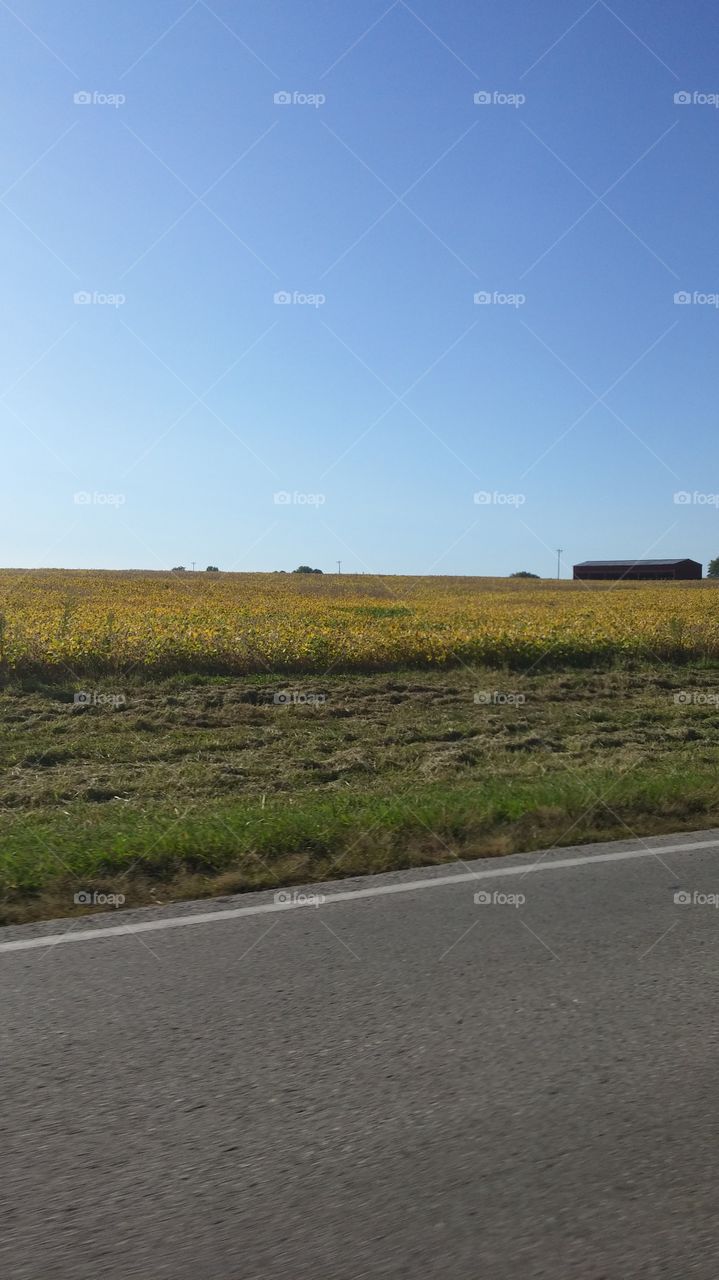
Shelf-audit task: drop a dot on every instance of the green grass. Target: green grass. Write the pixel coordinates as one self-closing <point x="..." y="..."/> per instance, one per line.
<point x="202" y="785"/>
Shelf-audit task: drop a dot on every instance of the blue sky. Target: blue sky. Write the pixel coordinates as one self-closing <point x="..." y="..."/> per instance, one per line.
<point x="383" y="404"/>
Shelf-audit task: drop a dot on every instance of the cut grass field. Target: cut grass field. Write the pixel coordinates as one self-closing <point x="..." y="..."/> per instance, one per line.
<point x="200" y="785"/>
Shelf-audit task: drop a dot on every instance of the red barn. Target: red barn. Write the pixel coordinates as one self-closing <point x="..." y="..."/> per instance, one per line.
<point x="631" y="570"/>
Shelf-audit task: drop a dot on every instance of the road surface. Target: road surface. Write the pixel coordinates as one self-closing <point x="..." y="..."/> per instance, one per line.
<point x="398" y="1082"/>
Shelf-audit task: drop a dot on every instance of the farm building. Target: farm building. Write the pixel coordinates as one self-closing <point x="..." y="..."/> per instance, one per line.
<point x="634" y="569"/>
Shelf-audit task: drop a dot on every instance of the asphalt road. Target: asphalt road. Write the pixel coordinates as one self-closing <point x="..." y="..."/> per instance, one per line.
<point x="402" y="1084"/>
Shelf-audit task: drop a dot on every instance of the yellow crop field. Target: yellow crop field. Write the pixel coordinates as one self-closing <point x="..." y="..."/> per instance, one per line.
<point x="100" y="621"/>
<point x="57" y="622"/>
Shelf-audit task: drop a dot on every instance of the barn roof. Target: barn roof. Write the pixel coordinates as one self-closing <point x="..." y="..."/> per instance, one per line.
<point x="588" y="564"/>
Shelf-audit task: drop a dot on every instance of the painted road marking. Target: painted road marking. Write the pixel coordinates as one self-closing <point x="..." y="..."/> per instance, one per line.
<point x="349" y="895"/>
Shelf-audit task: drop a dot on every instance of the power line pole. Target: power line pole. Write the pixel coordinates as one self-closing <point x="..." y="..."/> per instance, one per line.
<point x="559" y="561"/>
<point x="339" y="566"/>
<point x="194" y="562"/>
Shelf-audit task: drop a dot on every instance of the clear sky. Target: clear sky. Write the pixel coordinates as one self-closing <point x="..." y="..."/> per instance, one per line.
<point x="157" y="429"/>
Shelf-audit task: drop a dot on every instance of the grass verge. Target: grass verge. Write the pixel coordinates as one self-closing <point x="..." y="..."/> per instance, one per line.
<point x="248" y="845"/>
<point x="196" y="785"/>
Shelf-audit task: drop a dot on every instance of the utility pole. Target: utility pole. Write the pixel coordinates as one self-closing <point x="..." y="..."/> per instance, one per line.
<point x="193" y="565"/>
<point x="559" y="561"/>
<point x="339" y="566"/>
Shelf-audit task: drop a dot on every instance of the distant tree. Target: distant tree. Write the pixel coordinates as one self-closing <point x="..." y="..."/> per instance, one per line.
<point x="212" y="568"/>
<point x="524" y="573"/>
<point x="305" y="568"/>
<point x="713" y="570"/>
<point x="179" y="568"/>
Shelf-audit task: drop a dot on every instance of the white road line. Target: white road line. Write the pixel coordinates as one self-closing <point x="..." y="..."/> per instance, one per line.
<point x="349" y="895"/>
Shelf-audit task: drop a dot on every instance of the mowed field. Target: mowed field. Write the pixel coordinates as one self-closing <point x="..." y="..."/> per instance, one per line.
<point x="170" y="735"/>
